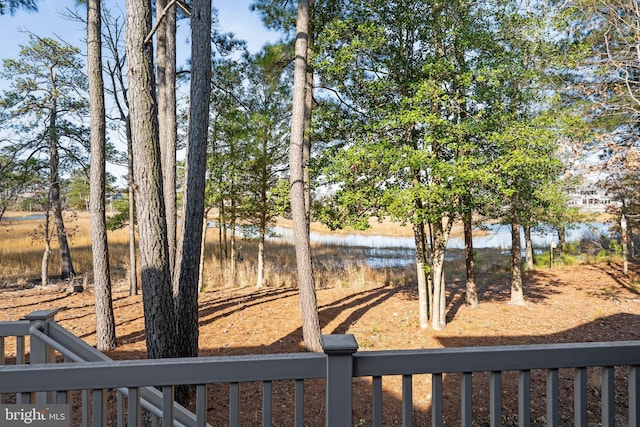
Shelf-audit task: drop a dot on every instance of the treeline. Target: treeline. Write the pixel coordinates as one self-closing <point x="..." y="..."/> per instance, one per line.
<point x="428" y="113"/>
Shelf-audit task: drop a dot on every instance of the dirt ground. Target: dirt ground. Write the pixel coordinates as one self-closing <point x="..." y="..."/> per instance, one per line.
<point x="572" y="304"/>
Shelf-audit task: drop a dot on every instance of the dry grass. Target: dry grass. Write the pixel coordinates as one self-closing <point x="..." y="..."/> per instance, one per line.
<point x="22" y="246"/>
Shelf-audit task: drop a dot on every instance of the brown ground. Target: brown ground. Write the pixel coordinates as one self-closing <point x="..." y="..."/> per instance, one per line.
<point x="572" y="304"/>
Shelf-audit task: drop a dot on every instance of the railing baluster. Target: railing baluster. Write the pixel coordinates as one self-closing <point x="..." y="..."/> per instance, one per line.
<point x="608" y="397"/>
<point x="524" y="398"/>
<point x="580" y="397"/>
<point x="119" y="409"/>
<point x="466" y="399"/>
<point x="436" y="400"/>
<point x="85" y="408"/>
<point x="21" y="398"/>
<point x="407" y="400"/>
<point x="201" y="406"/>
<point x="553" y="397"/>
<point x="266" y="403"/>
<point x="20" y="350"/>
<point x="495" y="398"/>
<point x="634" y="389"/>
<point x="234" y="405"/>
<point x="133" y="406"/>
<point x="299" y="404"/>
<point x="167" y="405"/>
<point x="377" y="401"/>
<point x="100" y="408"/>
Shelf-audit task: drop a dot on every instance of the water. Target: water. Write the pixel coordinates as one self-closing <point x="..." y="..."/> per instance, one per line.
<point x="397" y="251"/>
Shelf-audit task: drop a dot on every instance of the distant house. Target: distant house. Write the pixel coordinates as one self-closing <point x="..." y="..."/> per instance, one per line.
<point x="589" y="198"/>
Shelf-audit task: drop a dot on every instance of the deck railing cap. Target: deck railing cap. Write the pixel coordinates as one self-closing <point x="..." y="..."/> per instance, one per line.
<point x="45" y="315"/>
<point x="339" y="344"/>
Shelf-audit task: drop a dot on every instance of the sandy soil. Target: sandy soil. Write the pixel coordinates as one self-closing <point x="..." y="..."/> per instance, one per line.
<point x="572" y="304"/>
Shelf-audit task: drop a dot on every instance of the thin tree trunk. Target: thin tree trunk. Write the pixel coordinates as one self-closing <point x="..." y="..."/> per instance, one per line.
<point x="517" y="295"/>
<point x="166" y="69"/>
<point x="66" y="265"/>
<point x="203" y="245"/>
<point x="422" y="265"/>
<point x="233" y="255"/>
<point x="308" y="304"/>
<point x="528" y="249"/>
<point x="306" y="147"/>
<point x="157" y="295"/>
<point x="471" y="291"/>
<point x="44" y="267"/>
<point x="190" y="243"/>
<point x="105" y="322"/>
<point x="133" y="264"/>
<point x="441" y="237"/>
<point x="261" y="268"/>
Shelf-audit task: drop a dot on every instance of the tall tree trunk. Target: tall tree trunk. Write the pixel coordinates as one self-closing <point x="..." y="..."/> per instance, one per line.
<point x="562" y="238"/>
<point x="441" y="237"/>
<point x="66" y="265"/>
<point x="517" y="295"/>
<point x="44" y="266"/>
<point x="528" y="251"/>
<point x="261" y="268"/>
<point x="190" y="243"/>
<point x="203" y="245"/>
<point x="306" y="147"/>
<point x="133" y="264"/>
<point x="105" y="323"/>
<point x="167" y="121"/>
<point x="471" y="291"/>
<point x="233" y="255"/>
<point x="157" y="295"/>
<point x="422" y="267"/>
<point x="308" y="304"/>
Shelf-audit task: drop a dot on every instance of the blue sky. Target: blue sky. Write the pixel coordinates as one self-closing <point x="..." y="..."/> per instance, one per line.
<point x="233" y="15"/>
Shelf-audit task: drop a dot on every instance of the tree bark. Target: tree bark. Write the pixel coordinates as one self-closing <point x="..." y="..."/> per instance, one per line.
<point x="528" y="251"/>
<point x="517" y="295"/>
<point x="308" y="304"/>
<point x="422" y="266"/>
<point x="105" y="322"/>
<point x="44" y="267"/>
<point x="471" y="291"/>
<point x="441" y="230"/>
<point x="167" y="121"/>
<point x="133" y="263"/>
<point x="306" y="147"/>
<point x="157" y="295"/>
<point x="190" y="243"/>
<point x="66" y="264"/>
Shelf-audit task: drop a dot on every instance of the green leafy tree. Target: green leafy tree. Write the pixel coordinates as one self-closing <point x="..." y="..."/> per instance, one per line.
<point x="268" y="96"/>
<point x="406" y="89"/>
<point x="46" y="102"/>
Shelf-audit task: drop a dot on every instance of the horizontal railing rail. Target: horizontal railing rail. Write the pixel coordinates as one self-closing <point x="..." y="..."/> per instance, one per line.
<point x="149" y="384"/>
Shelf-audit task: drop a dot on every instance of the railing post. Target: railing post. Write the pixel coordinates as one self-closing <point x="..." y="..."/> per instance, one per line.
<point x="41" y="352"/>
<point x="339" y="350"/>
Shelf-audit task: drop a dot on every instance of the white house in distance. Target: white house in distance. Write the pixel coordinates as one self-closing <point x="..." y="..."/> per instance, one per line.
<point x="588" y="197"/>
